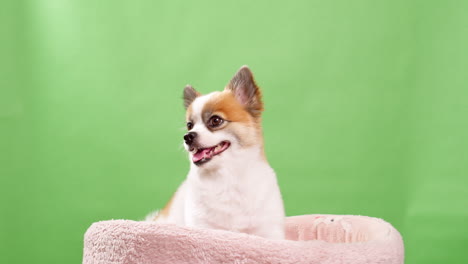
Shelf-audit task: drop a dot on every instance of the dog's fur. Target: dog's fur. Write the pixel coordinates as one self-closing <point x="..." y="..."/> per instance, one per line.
<point x="237" y="189"/>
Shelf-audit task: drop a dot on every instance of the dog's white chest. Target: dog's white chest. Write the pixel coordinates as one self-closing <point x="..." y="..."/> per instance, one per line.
<point x="237" y="200"/>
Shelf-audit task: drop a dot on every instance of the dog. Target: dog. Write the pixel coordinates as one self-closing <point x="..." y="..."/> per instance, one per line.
<point x="230" y="185"/>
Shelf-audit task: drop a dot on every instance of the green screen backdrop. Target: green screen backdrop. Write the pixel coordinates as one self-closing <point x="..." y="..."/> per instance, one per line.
<point x="366" y="112"/>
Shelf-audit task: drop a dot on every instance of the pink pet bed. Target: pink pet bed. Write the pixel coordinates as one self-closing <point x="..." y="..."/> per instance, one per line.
<point x="309" y="239"/>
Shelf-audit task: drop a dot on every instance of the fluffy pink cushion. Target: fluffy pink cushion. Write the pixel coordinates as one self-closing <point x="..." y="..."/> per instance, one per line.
<point x="310" y="239"/>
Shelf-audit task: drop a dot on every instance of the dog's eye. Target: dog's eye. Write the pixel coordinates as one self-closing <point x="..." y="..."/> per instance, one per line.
<point x="215" y="121"/>
<point x="189" y="125"/>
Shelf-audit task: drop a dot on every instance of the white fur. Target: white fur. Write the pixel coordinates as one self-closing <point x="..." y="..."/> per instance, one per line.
<point x="236" y="190"/>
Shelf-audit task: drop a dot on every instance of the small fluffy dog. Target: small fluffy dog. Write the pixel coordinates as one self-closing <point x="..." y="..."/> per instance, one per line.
<point x="230" y="184"/>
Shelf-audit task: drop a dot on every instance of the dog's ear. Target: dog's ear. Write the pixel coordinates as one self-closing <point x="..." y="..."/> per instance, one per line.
<point x="189" y="95"/>
<point x="246" y="91"/>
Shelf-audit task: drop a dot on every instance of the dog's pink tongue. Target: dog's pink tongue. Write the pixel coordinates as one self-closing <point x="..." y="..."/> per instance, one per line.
<point x="204" y="153"/>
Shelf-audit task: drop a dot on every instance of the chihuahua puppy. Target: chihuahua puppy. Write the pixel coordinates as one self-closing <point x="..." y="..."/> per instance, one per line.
<point x="230" y="184"/>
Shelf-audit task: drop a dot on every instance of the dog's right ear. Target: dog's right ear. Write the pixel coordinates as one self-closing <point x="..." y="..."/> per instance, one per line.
<point x="189" y="95"/>
<point x="246" y="91"/>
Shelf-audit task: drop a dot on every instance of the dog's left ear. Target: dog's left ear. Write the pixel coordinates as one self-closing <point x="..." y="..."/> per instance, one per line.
<point x="246" y="91"/>
<point x="190" y="94"/>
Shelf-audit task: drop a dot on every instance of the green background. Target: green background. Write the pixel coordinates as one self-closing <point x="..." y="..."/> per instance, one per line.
<point x="366" y="112"/>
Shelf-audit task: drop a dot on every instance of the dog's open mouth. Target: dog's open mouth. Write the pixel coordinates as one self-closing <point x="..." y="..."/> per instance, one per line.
<point x="203" y="155"/>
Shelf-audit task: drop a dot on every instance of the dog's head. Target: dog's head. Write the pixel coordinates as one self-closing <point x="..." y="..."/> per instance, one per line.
<point x="220" y="124"/>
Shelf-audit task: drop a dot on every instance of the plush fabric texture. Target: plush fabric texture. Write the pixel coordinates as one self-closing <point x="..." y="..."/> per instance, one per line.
<point x="326" y="239"/>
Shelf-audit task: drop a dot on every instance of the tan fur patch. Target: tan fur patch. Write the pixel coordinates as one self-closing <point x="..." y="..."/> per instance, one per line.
<point x="165" y="211"/>
<point x="226" y="105"/>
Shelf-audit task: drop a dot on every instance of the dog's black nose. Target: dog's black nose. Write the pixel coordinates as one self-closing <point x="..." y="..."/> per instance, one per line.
<point x="189" y="137"/>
